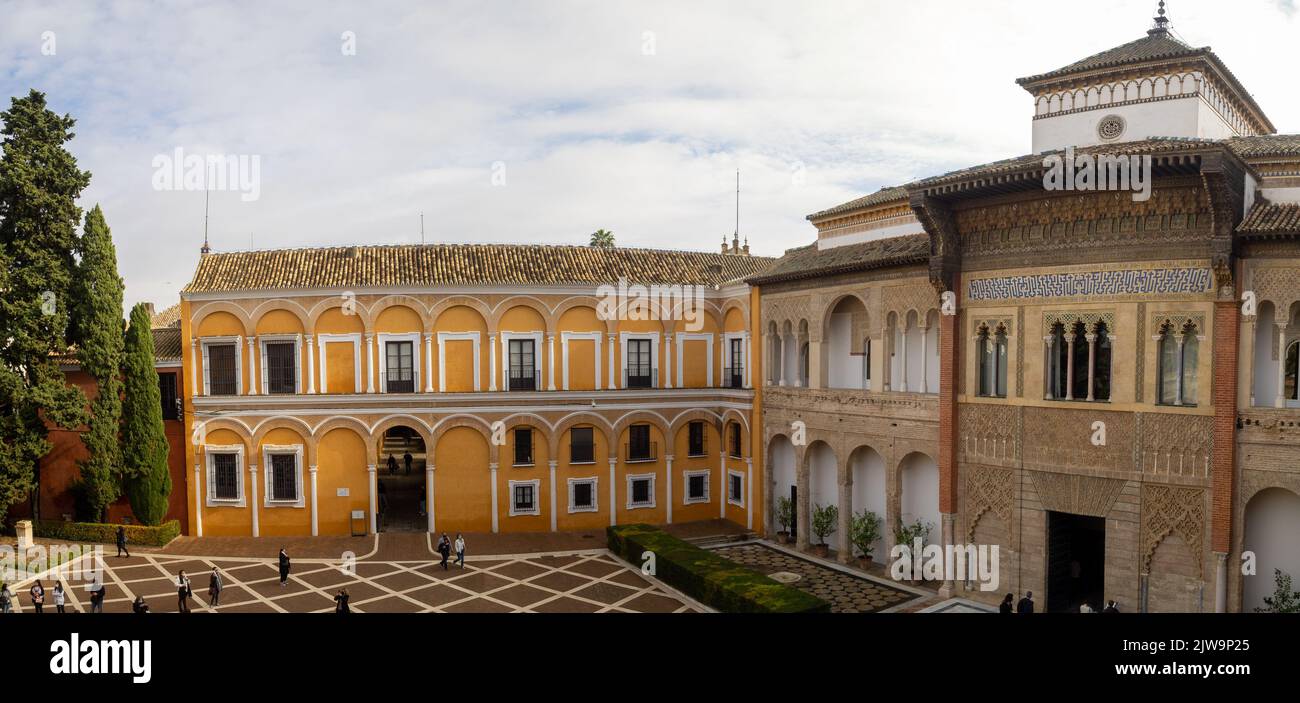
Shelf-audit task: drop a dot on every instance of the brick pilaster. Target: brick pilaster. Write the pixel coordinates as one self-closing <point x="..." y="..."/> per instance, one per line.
<point x="1226" y="330"/>
<point x="949" y="349"/>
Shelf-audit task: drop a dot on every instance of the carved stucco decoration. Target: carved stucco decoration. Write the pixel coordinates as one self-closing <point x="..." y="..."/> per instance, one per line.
<point x="1020" y="352"/>
<point x="901" y="299"/>
<point x="1140" y="377"/>
<point x="1062" y="437"/>
<point x="988" y="431"/>
<point x="1177" y="320"/>
<point x="1079" y="495"/>
<point x="1280" y="285"/>
<point x="1177" y="445"/>
<point x="1089" y="320"/>
<point x="1224" y="185"/>
<point x="1169" y="510"/>
<point x="992" y="490"/>
<point x="992" y="323"/>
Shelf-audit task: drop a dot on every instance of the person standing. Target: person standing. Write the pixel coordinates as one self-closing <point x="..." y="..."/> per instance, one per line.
<point x="444" y="548"/>
<point x="97" y="594"/>
<point x="121" y="542"/>
<point x="392" y="465"/>
<point x="460" y="550"/>
<point x="1007" y="604"/>
<point x="38" y="597"/>
<point x="59" y="599"/>
<point x="406" y="459"/>
<point x="1111" y="607"/>
<point x="1085" y="608"/>
<point x="341" y="601"/>
<point x="214" y="588"/>
<point x="1026" y="604"/>
<point x="284" y="567"/>
<point x="6" y="599"/>
<point x="183" y="592"/>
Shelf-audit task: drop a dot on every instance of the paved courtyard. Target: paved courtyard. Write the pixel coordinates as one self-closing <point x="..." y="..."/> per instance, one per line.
<point x="577" y="582"/>
<point x="847" y="591"/>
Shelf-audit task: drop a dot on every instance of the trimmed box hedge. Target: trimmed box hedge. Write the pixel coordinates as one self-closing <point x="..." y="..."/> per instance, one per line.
<point x="708" y="578"/>
<point x="105" y="532"/>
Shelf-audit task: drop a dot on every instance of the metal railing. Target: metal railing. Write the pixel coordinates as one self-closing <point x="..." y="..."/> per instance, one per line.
<point x="733" y="377"/>
<point x="640" y="378"/>
<point x="524" y="380"/>
<point x="641" y="452"/>
<point x="399" y="380"/>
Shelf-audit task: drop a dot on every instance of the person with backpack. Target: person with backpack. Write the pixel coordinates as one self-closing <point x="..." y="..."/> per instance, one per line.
<point x="38" y="597"/>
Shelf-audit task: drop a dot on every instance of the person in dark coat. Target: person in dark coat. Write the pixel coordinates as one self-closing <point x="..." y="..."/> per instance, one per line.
<point x="214" y="588"/>
<point x="444" y="548"/>
<point x="406" y="459"/>
<point x="392" y="465"/>
<point x="121" y="542"/>
<point x="1111" y="607"/>
<point x="183" y="592"/>
<point x="139" y="607"/>
<point x="284" y="567"/>
<point x="1026" y="604"/>
<point x="97" y="593"/>
<point x="341" y="601"/>
<point x="1007" y="604"/>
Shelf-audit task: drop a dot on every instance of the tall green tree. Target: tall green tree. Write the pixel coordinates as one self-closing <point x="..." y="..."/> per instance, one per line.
<point x="39" y="187"/>
<point x="144" y="441"/>
<point x="99" y="330"/>
<point x="602" y="238"/>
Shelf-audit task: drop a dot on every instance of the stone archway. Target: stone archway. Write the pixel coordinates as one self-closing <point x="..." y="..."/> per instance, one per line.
<point x="1272" y="521"/>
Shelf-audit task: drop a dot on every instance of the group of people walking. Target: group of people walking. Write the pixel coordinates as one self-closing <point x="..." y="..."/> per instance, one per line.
<point x="59" y="596"/>
<point x="1026" y="605"/>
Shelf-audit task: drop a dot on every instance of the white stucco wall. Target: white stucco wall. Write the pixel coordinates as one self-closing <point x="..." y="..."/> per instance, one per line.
<point x="1177" y="117"/>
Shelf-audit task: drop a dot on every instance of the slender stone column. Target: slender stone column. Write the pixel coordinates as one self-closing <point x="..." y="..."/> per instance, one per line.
<point x="370" y="363"/>
<point x="315" y="515"/>
<point x="254" y="379"/>
<point x="803" y="508"/>
<point x="428" y="362"/>
<point x="492" y="470"/>
<point x="925" y="364"/>
<point x="1092" y="360"/>
<point x="198" y="497"/>
<point x="1069" y="366"/>
<point x="550" y="343"/>
<point x="613" y="490"/>
<point x="374" y="499"/>
<point x="845" y="554"/>
<point x="784" y="361"/>
<point x="252" y="471"/>
<point x="492" y="363"/>
<point x="428" y="496"/>
<point x="669" y="459"/>
<point x="194" y="368"/>
<point x="949" y="522"/>
<point x="668" y="363"/>
<point x="613" y="374"/>
<point x="1280" y="401"/>
<point x="749" y="493"/>
<point x="311" y="367"/>
<point x="1220" y="582"/>
<point x="902" y="378"/>
<point x="555" y="516"/>
<point x="1049" y="363"/>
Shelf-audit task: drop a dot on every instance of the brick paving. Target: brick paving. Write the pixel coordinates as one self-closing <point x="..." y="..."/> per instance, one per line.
<point x="580" y="581"/>
<point x="847" y="591"/>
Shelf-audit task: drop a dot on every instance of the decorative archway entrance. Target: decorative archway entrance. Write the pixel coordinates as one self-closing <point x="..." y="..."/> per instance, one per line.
<point x="401" y="481"/>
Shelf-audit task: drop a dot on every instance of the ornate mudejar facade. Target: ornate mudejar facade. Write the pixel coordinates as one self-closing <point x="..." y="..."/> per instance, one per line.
<point x="1102" y="384"/>
<point x="466" y="388"/>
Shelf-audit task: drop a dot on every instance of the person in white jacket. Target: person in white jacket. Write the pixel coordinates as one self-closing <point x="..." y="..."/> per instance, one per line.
<point x="460" y="550"/>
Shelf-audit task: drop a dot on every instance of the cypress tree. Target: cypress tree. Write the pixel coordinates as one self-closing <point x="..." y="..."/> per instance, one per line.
<point x="144" y="441"/>
<point x="98" y="318"/>
<point x="39" y="187"/>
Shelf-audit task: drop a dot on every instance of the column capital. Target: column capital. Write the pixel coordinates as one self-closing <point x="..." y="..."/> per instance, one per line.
<point x="371" y="468"/>
<point x="669" y="457"/>
<point x="312" y="469"/>
<point x="370" y="337"/>
<point x="553" y="463"/>
<point x="492" y="466"/>
<point x="307" y="337"/>
<point x="1091" y="337"/>
<point x="428" y="336"/>
<point x="428" y="468"/>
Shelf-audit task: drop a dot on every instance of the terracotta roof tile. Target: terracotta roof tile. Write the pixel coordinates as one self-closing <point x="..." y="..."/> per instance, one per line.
<point x="811" y="262"/>
<point x="1149" y="48"/>
<point x="171" y="317"/>
<point x="167" y="343"/>
<point x="880" y="197"/>
<point x="1266" y="145"/>
<point x="1272" y="219"/>
<point x="464" y="264"/>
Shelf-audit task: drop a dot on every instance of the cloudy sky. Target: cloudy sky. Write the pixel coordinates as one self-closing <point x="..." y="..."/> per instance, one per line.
<point x="543" y="121"/>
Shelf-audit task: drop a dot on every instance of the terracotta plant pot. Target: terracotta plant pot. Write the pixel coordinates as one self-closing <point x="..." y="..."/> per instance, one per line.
<point x="783" y="537"/>
<point x="865" y="561"/>
<point x="821" y="550"/>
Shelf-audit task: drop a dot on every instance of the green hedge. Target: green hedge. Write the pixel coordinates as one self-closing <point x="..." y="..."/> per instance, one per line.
<point x="103" y="532"/>
<point x="712" y="580"/>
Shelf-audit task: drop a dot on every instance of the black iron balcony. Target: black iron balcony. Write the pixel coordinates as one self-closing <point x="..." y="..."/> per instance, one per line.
<point x="641" y="377"/>
<point x="733" y="377"/>
<point x="524" y="380"/>
<point x="641" y="452"/>
<point x="399" y="380"/>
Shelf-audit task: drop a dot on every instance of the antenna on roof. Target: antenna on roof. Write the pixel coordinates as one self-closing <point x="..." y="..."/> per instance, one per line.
<point x="205" y="249"/>
<point x="735" y="238"/>
<point x="1161" y="22"/>
<point x="421" y="228"/>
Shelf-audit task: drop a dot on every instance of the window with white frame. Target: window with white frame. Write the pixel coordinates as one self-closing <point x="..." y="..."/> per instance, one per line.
<point x="283" y="469"/>
<point x="221" y="367"/>
<point x="582" y="495"/>
<point x="697" y="487"/>
<point x="225" y="475"/>
<point x="279" y="366"/>
<point x="736" y="488"/>
<point x="640" y="491"/>
<point x="523" y="498"/>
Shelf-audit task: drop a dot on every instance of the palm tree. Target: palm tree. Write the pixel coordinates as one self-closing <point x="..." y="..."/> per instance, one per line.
<point x="602" y="238"/>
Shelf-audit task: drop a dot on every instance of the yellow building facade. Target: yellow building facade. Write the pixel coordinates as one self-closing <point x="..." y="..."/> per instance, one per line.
<point x="469" y="388"/>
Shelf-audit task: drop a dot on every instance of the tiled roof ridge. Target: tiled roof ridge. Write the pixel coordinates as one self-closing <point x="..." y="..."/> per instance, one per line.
<point x="1096" y="61"/>
<point x="470" y="245"/>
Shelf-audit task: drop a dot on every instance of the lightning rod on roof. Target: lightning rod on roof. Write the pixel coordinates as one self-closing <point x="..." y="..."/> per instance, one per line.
<point x="205" y="249"/>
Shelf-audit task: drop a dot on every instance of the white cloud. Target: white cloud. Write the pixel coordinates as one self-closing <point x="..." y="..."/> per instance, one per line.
<point x="593" y="132"/>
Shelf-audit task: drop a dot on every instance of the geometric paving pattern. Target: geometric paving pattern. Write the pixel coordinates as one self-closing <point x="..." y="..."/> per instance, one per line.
<point x="586" y="582"/>
<point x="847" y="593"/>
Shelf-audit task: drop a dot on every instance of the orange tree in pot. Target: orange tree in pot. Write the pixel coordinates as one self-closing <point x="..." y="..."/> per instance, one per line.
<point x="824" y="519"/>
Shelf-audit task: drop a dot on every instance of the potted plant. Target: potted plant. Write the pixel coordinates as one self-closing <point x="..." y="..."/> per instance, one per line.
<point x="824" y="519"/>
<point x="907" y="533"/>
<point x="784" y="517"/>
<point x="864" y="530"/>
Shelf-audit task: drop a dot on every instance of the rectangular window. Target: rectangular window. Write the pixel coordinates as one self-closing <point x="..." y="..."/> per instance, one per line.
<point x="695" y="442"/>
<point x="225" y="476"/>
<point x="697" y="487"/>
<point x="523" y="447"/>
<point x="639" y="371"/>
<point x="284" y="478"/>
<point x="639" y="446"/>
<point x="582" y="495"/>
<point x="524" y="501"/>
<point x="734" y="375"/>
<point x="582" y="446"/>
<point x="399" y="369"/>
<point x="223" y="377"/>
<point x="641" y="491"/>
<point x="736" y="489"/>
<point x="992" y="351"/>
<point x="734" y="436"/>
<point x="523" y="367"/>
<point x="281" y="370"/>
<point x="167" y="394"/>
